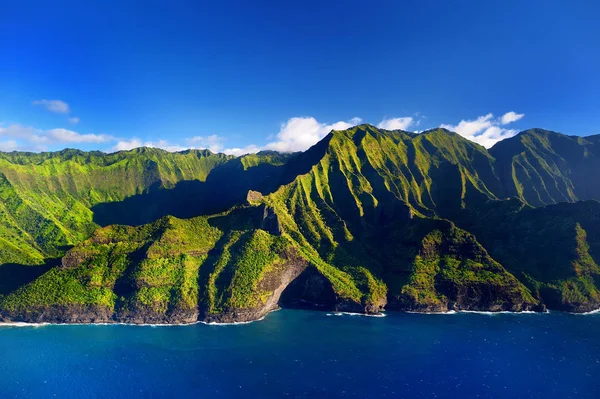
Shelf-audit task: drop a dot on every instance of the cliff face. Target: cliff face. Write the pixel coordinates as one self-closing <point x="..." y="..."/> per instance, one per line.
<point x="47" y="198"/>
<point x="270" y="288"/>
<point x="365" y="220"/>
<point x="437" y="267"/>
<point x="231" y="267"/>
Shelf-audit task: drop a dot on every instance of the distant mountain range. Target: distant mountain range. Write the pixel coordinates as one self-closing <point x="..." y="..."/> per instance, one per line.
<point x="365" y="220"/>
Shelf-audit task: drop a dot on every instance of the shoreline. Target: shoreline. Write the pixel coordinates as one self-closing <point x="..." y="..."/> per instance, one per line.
<point x="327" y="314"/>
<point x="596" y="311"/>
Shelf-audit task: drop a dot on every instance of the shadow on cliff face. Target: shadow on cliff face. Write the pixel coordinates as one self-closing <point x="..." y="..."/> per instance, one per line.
<point x="125" y="285"/>
<point x="225" y="186"/>
<point x="310" y="290"/>
<point x="13" y="276"/>
<point x="222" y="190"/>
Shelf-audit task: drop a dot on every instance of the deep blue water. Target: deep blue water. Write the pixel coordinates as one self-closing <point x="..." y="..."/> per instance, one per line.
<point x="311" y="354"/>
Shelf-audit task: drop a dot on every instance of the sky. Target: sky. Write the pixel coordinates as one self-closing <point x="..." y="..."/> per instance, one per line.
<point x="242" y="76"/>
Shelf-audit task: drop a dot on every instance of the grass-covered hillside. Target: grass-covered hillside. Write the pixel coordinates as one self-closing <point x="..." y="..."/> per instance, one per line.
<point x="543" y="167"/>
<point x="169" y="270"/>
<point x="367" y="218"/>
<point x="46" y="199"/>
<point x="553" y="250"/>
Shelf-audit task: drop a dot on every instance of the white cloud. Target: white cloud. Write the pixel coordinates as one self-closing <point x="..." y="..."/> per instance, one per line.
<point x="31" y="138"/>
<point x="297" y="134"/>
<point x="69" y="136"/>
<point x="300" y="133"/>
<point x="486" y="130"/>
<point x="17" y="131"/>
<point x="250" y="149"/>
<point x="126" y="145"/>
<point x="213" y="142"/>
<point x="510" y="117"/>
<point x="165" y="145"/>
<point x="57" y="106"/>
<point x="469" y="129"/>
<point x="494" y="134"/>
<point x="9" y="145"/>
<point x="355" y="121"/>
<point x="396" y="123"/>
<point x="74" y="120"/>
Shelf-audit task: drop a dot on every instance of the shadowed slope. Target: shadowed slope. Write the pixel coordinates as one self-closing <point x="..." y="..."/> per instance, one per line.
<point x="46" y="198"/>
<point x="543" y="167"/>
<point x="363" y="218"/>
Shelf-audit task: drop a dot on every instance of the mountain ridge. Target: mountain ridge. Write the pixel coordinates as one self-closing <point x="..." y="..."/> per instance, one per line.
<point x="365" y="219"/>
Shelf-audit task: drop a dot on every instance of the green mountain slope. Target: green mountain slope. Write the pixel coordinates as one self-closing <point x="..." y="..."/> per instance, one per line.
<point x="367" y="218"/>
<point x="354" y="210"/>
<point x="554" y="250"/>
<point x="169" y="270"/>
<point x="543" y="167"/>
<point x="47" y="198"/>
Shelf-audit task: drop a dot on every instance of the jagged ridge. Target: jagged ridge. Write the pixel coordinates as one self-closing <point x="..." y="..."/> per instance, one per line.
<point x="358" y="219"/>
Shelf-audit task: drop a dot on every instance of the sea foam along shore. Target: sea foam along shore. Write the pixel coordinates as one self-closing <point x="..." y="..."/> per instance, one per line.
<point x="354" y="314"/>
<point x="450" y="312"/>
<point x="23" y="324"/>
<point x="488" y="313"/>
<point x="597" y="311"/>
<point x="235" y="323"/>
<point x="482" y="312"/>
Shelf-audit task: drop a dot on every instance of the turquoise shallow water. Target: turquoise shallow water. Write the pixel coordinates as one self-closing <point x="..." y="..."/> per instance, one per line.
<point x="308" y="354"/>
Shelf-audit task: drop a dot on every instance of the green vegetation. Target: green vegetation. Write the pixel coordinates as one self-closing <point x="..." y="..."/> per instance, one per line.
<point x="247" y="258"/>
<point x="542" y="167"/>
<point x="46" y="199"/>
<point x="424" y="222"/>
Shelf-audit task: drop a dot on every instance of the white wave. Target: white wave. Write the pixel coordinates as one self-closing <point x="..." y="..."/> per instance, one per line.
<point x="489" y="313"/>
<point x="355" y="314"/>
<point x="483" y="312"/>
<point x="415" y="312"/>
<point x="235" y="323"/>
<point x="589" y="313"/>
<point x="24" y="324"/>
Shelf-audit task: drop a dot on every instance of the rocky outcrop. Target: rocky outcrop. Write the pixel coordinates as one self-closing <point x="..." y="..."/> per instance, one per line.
<point x="452" y="271"/>
<point x="486" y="297"/>
<point x="73" y="313"/>
<point x="144" y="315"/>
<point x="475" y="297"/>
<point x="270" y="221"/>
<point x="275" y="282"/>
<point x="253" y="196"/>
<point x="312" y="290"/>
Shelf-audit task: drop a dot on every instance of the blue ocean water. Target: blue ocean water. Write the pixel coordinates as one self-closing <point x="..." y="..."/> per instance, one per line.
<point x="293" y="353"/>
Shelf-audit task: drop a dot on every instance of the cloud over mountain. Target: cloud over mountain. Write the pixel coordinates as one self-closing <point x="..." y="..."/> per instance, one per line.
<point x="486" y="130"/>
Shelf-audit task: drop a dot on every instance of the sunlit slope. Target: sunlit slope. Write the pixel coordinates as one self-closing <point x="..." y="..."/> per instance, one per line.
<point x="47" y="198"/>
<point x="355" y="213"/>
<point x="366" y="218"/>
<point x="170" y="270"/>
<point x="543" y="167"/>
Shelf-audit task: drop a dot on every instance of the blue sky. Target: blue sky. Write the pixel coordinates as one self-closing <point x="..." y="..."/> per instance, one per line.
<point x="240" y="76"/>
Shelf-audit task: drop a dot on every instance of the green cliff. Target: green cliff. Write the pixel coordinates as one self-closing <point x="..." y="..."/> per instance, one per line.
<point x="366" y="219"/>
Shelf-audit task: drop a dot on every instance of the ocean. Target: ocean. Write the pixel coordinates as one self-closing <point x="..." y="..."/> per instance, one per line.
<point x="310" y="354"/>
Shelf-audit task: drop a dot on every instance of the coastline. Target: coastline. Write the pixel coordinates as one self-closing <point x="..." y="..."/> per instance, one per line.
<point x="326" y="313"/>
<point x="596" y="311"/>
